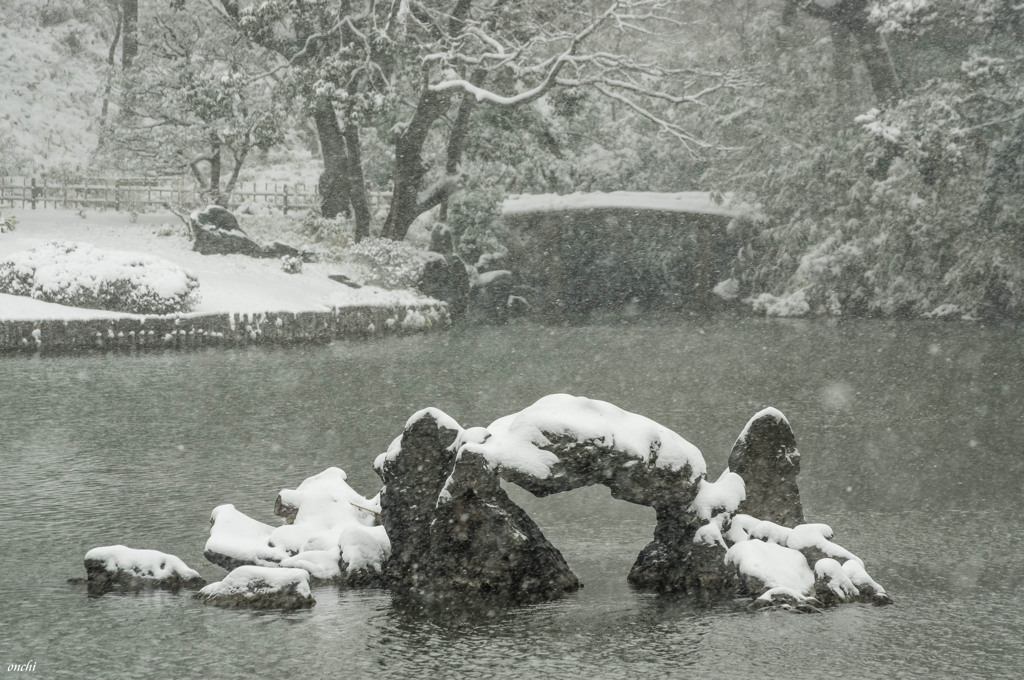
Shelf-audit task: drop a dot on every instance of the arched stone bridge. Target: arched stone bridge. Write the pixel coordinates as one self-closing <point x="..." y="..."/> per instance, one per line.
<point x="586" y="251"/>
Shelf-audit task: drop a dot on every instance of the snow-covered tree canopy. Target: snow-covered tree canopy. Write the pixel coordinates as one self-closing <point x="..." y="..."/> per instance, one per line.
<point x="410" y="65"/>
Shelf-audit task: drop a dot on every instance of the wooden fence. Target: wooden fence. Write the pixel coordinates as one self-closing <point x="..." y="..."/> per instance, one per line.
<point x="141" y="195"/>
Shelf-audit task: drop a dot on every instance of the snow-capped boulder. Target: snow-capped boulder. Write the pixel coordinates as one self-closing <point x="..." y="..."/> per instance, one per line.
<point x="744" y="534"/>
<point x="260" y="588"/>
<point x="215" y="231"/>
<point x="482" y="542"/>
<point x="496" y="295"/>
<point x="766" y="457"/>
<point x="116" y="567"/>
<point x="446" y="278"/>
<point x="237" y="539"/>
<point x="332" y="531"/>
<point x="684" y="556"/>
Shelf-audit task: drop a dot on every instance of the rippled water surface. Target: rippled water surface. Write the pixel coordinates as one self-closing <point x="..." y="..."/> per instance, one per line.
<point x="911" y="437"/>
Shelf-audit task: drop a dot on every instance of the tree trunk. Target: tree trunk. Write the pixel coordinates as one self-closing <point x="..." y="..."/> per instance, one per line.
<point x="457" y="137"/>
<point x="409" y="169"/>
<point x="875" y="54"/>
<point x="842" y="63"/>
<point x="334" y="181"/>
<point x="215" y="169"/>
<point x="233" y="179"/>
<point x="110" y="74"/>
<point x="130" y="39"/>
<point x="356" y="183"/>
<point x="852" y="15"/>
<point x="407" y="177"/>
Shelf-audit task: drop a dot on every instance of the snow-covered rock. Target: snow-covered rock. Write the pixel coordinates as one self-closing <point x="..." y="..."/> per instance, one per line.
<point x="331" y="532"/>
<point x="562" y="442"/>
<point x="237" y="539"/>
<point x="216" y="232"/>
<point x="260" y="588"/>
<point x="116" y="567"/>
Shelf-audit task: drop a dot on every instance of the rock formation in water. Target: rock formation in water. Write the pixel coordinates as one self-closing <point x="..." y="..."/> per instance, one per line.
<point x="452" y="527"/>
<point x="118" y="568"/>
<point x="717" y="546"/>
<point x="443" y="528"/>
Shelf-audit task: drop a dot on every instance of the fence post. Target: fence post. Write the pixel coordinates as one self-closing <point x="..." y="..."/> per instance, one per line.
<point x="285" y="199"/>
<point x="33" y="194"/>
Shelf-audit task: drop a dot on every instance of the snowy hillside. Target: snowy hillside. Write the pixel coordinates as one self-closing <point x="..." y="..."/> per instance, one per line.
<point x="52" y="64"/>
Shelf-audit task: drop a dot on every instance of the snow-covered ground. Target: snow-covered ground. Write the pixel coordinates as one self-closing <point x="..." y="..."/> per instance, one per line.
<point x="227" y="283"/>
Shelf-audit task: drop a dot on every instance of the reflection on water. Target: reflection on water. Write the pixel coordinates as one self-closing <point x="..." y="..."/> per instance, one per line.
<point x="910" y="435"/>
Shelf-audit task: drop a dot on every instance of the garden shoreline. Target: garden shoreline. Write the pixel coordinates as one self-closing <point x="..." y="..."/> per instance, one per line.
<point x="195" y="330"/>
<point x="242" y="300"/>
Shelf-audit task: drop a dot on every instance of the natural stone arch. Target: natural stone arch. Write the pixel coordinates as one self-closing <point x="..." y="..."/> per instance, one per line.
<point x="453" y="528"/>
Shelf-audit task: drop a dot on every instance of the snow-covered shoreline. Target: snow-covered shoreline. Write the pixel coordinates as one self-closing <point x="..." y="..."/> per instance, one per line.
<point x="237" y="294"/>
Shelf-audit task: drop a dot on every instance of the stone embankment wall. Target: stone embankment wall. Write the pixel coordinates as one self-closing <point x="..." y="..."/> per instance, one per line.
<point x="229" y="330"/>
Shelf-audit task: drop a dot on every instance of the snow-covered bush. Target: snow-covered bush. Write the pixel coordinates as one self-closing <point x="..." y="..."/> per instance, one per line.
<point x="80" y="275"/>
<point x="391" y="264"/>
<point x="336" y="232"/>
<point x="291" y="264"/>
<point x="7" y="223"/>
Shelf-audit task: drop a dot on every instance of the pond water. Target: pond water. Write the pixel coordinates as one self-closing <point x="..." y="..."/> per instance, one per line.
<point x="911" y="436"/>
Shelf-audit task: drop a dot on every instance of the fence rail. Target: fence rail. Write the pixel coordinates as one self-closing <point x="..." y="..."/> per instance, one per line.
<point x="145" y="194"/>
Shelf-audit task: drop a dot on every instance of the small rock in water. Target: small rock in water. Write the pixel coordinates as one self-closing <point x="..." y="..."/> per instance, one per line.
<point x="260" y="588"/>
<point x="116" y="567"/>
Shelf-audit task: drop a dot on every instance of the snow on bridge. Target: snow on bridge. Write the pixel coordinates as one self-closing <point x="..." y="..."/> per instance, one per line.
<point x="691" y="202"/>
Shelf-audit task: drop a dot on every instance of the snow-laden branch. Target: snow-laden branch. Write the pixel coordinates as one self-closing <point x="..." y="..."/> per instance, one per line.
<point x="483" y="94"/>
<point x="1016" y="115"/>
<point x="687" y="139"/>
<point x="554" y="66"/>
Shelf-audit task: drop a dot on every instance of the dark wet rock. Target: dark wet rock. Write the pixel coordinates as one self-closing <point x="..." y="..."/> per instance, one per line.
<point x="118" y="568"/>
<point x="453" y="530"/>
<point x="490" y="295"/>
<point x="482" y="542"/>
<point x="344" y="280"/>
<point x="497" y="296"/>
<point x="666" y="563"/>
<point x="489" y="262"/>
<point x="216" y="232"/>
<point x="766" y="457"/>
<point x="446" y="278"/>
<point x="414" y="471"/>
<point x="260" y="588"/>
